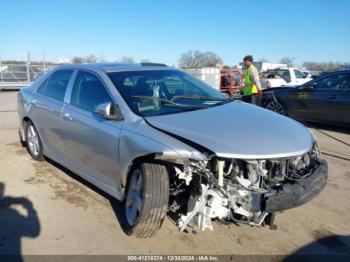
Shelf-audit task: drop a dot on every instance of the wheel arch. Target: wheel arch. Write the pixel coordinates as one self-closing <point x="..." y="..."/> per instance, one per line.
<point x="23" y="126"/>
<point x="24" y="123"/>
<point x="136" y="162"/>
<point x="152" y="146"/>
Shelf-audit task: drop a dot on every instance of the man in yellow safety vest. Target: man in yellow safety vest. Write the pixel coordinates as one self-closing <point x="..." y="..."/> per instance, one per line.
<point x="252" y="86"/>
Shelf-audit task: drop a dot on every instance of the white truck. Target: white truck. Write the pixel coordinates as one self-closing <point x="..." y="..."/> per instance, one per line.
<point x="285" y="77"/>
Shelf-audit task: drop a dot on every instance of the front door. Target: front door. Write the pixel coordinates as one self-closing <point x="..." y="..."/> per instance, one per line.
<point x="90" y="141"/>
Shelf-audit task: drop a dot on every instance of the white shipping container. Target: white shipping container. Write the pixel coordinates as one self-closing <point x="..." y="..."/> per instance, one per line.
<point x="209" y="75"/>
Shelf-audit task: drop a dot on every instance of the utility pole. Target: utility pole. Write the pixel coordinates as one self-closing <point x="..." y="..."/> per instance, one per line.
<point x="28" y="62"/>
<point x="1" y="70"/>
<point x="44" y="64"/>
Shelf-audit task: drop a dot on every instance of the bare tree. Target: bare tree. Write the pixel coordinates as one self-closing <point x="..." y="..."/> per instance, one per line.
<point x="197" y="59"/>
<point x="210" y="59"/>
<point x="127" y="60"/>
<point x="84" y="59"/>
<point x="90" y="59"/>
<point x="190" y="59"/>
<point x="287" y="60"/>
<point x="145" y="60"/>
<point x="77" y="60"/>
<point x="322" y="66"/>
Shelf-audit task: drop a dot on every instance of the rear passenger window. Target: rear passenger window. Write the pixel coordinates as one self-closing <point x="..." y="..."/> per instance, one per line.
<point x="57" y="84"/>
<point x="89" y="92"/>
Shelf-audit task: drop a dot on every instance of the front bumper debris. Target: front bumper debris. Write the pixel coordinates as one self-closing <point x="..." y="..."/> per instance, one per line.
<point x="300" y="192"/>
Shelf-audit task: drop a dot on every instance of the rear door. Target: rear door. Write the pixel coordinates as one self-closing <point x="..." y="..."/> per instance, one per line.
<point x="47" y="103"/>
<point x="90" y="141"/>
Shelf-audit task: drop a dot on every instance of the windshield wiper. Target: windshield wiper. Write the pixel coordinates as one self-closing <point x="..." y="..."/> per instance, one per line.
<point x="169" y="103"/>
<point x="201" y="98"/>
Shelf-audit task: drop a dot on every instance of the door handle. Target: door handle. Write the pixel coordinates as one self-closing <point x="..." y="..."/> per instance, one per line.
<point x="67" y="116"/>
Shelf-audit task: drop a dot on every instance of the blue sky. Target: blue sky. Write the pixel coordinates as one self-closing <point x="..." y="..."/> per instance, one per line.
<point x="160" y="30"/>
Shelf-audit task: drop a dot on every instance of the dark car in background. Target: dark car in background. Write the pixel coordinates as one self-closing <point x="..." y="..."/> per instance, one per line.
<point x="324" y="100"/>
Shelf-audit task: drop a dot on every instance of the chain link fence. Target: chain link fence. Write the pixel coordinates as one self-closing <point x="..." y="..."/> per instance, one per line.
<point x="17" y="75"/>
<point x="22" y="72"/>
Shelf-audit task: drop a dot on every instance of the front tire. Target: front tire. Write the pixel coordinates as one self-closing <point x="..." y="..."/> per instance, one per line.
<point x="146" y="201"/>
<point x="275" y="106"/>
<point x="33" y="142"/>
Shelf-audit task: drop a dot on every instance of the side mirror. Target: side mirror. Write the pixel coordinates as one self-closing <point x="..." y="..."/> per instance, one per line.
<point x="109" y="111"/>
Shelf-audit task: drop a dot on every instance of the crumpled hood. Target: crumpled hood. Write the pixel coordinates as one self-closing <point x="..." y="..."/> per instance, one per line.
<point x="238" y="130"/>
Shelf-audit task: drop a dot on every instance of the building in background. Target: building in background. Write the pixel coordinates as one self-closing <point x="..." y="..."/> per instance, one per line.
<point x="264" y="66"/>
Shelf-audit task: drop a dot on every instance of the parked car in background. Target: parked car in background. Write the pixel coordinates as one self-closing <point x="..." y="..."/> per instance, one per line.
<point x="307" y="74"/>
<point x="159" y="140"/>
<point x="285" y="77"/>
<point x="325" y="99"/>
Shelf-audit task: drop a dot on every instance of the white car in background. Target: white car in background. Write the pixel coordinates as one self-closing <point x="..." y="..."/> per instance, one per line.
<point x="285" y="77"/>
<point x="307" y="73"/>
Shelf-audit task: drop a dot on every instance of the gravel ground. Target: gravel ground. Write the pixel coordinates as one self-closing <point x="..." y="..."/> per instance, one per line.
<point x="49" y="210"/>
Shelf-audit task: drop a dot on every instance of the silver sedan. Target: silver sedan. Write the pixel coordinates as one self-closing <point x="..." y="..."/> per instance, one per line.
<point x="161" y="141"/>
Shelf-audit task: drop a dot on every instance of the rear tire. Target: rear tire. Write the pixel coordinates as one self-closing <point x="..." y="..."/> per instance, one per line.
<point x="33" y="142"/>
<point x="146" y="201"/>
<point x="21" y="139"/>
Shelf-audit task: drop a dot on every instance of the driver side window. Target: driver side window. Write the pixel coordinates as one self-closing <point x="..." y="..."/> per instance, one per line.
<point x="89" y="92"/>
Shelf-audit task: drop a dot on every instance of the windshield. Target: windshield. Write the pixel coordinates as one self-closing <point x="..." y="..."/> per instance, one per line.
<point x="160" y="92"/>
<point x="280" y="72"/>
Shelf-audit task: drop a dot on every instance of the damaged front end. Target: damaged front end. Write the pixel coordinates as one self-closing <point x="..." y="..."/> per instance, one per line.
<point x="243" y="191"/>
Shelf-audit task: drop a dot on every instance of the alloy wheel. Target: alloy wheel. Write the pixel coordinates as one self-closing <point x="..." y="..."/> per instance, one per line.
<point x="134" y="198"/>
<point x="276" y="107"/>
<point x="33" y="140"/>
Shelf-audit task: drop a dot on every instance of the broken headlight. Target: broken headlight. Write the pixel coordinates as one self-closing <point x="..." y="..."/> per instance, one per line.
<point x="302" y="166"/>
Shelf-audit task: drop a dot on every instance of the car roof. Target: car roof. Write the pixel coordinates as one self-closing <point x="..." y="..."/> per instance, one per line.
<point x="342" y="71"/>
<point x="334" y="73"/>
<point x="117" y="67"/>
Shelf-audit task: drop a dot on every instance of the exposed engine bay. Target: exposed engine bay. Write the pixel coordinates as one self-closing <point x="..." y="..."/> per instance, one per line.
<point x="243" y="191"/>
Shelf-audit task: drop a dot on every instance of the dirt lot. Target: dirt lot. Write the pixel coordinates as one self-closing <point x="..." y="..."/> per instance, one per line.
<point x="49" y="210"/>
